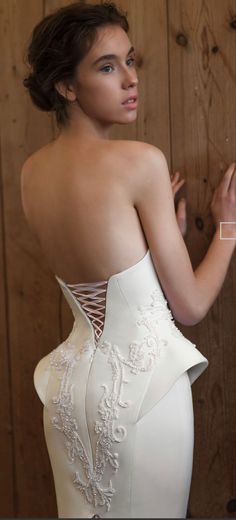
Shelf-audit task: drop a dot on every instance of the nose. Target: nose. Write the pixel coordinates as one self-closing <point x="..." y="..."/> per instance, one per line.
<point x="135" y="81"/>
<point x="131" y="79"/>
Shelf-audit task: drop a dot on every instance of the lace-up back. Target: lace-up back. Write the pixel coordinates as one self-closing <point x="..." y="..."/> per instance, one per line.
<point x="92" y="297"/>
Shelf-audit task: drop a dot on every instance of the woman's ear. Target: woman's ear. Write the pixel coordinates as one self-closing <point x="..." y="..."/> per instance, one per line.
<point x="66" y="90"/>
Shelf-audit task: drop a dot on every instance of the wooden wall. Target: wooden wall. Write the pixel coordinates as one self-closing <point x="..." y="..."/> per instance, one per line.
<point x="187" y="74"/>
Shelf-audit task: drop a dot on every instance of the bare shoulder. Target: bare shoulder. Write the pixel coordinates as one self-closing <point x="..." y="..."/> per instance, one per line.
<point x="142" y="155"/>
<point x="144" y="162"/>
<point x="28" y="183"/>
<point x="33" y="159"/>
<point x="28" y="177"/>
<point x="139" y="158"/>
<point x="24" y="176"/>
<point x="26" y="171"/>
<point x="26" y="166"/>
<point x="138" y="148"/>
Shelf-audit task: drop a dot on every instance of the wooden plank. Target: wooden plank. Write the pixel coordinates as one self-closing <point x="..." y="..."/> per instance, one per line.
<point x="202" y="60"/>
<point x="7" y="480"/>
<point x="31" y="293"/>
<point x="186" y="58"/>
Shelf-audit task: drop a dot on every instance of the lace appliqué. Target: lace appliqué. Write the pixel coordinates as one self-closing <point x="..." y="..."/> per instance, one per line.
<point x="155" y="312"/>
<point x="142" y="357"/>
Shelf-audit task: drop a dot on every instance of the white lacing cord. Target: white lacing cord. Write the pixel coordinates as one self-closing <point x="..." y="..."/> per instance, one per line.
<point x="94" y="303"/>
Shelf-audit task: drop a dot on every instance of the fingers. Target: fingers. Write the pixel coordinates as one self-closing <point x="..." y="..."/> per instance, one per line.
<point x="226" y="180"/>
<point x="181" y="216"/>
<point x="175" y="176"/>
<point x="232" y="186"/>
<point x="176" y="185"/>
<point x="182" y="208"/>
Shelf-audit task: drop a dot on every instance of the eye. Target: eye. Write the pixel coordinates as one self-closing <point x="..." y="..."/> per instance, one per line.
<point x="132" y="60"/>
<point x="107" y="66"/>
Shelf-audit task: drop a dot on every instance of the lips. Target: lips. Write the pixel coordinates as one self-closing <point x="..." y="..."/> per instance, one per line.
<point x="133" y="98"/>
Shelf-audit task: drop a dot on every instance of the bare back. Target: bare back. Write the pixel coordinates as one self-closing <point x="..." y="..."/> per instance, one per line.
<point x="80" y="206"/>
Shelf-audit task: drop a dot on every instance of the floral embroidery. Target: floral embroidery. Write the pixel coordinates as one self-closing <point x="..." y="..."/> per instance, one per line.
<point x="141" y="358"/>
<point x="155" y="312"/>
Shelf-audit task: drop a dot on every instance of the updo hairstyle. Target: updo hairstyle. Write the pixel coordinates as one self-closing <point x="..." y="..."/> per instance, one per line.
<point x="57" y="45"/>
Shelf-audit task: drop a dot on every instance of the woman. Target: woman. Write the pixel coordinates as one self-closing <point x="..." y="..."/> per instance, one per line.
<point x="118" y="415"/>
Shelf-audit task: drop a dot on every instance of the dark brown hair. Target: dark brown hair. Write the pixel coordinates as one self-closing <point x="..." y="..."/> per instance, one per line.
<point x="57" y="45"/>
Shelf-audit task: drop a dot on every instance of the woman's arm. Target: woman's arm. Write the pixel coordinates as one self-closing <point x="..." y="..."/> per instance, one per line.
<point x="220" y="251"/>
<point x="190" y="294"/>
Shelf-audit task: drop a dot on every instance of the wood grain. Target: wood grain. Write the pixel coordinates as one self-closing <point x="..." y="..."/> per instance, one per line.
<point x="186" y="52"/>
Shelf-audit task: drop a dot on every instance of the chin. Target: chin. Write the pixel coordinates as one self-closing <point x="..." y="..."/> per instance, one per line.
<point x="127" y="118"/>
<point x="132" y="117"/>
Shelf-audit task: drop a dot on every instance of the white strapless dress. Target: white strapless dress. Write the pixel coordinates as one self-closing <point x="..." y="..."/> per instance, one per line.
<point x="118" y="415"/>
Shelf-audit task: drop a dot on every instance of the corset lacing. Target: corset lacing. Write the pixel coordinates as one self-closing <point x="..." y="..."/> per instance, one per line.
<point x="92" y="301"/>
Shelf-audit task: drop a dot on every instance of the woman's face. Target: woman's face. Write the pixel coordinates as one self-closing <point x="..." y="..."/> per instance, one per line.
<point x="102" y="85"/>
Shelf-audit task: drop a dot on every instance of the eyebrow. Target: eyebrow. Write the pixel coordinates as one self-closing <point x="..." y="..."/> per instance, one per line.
<point x="110" y="56"/>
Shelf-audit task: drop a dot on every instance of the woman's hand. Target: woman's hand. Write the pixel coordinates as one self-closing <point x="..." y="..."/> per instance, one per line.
<point x="181" y="206"/>
<point x="223" y="204"/>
